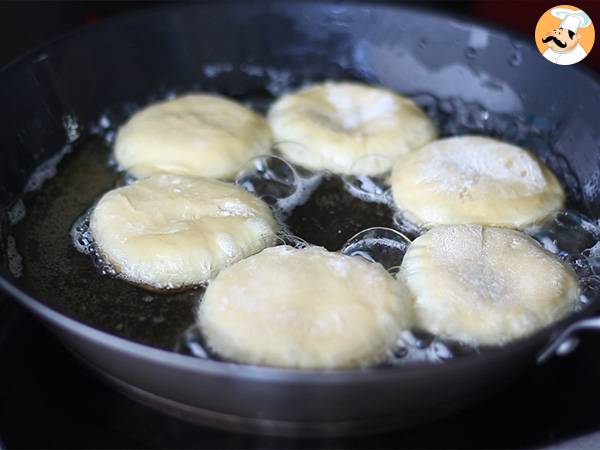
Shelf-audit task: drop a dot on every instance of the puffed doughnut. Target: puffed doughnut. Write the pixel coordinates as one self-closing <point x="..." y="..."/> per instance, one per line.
<point x="197" y="135"/>
<point x="306" y="308"/>
<point x="333" y="125"/>
<point x="484" y="285"/>
<point x="170" y="231"/>
<point x="472" y="179"/>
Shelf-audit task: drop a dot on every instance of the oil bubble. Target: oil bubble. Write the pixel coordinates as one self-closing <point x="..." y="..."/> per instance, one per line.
<point x="370" y="188"/>
<point x="277" y="182"/>
<point x="385" y="246"/>
<point x="287" y="238"/>
<point x="269" y="178"/>
<point x="83" y="241"/>
<point x="406" y="227"/>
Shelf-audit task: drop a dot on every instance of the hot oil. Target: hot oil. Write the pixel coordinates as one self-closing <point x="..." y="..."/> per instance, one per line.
<point x="315" y="208"/>
<point x="54" y="271"/>
<point x="332" y="215"/>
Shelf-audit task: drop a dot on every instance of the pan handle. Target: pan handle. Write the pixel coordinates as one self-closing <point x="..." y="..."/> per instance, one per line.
<point x="567" y="340"/>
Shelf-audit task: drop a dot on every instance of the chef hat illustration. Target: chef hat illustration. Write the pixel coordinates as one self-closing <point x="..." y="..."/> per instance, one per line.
<point x="571" y="19"/>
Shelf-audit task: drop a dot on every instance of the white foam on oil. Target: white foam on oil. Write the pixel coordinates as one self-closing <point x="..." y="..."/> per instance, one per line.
<point x="368" y="189"/>
<point x="295" y="187"/>
<point x="71" y="126"/>
<point x="305" y="188"/>
<point x="15" y="260"/>
<point x="404" y="225"/>
<point x="17" y="212"/>
<point x="410" y="349"/>
<point x="549" y="244"/>
<point x="46" y="170"/>
<point x="216" y="69"/>
<point x="278" y="81"/>
<point x="80" y="234"/>
<point x="253" y="69"/>
<point x="83" y="241"/>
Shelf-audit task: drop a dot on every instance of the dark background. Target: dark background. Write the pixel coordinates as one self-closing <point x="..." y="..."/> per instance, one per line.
<point x="26" y="24"/>
<point x="48" y="401"/>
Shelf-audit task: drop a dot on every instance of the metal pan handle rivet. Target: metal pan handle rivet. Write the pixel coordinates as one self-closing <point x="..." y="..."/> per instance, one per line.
<point x="567" y="341"/>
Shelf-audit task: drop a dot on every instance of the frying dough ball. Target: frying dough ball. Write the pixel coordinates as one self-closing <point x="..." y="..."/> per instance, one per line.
<point x="169" y="231"/>
<point x="334" y="125"/>
<point x="305" y="308"/>
<point x="483" y="285"/>
<point x="198" y="135"/>
<point x="472" y="179"/>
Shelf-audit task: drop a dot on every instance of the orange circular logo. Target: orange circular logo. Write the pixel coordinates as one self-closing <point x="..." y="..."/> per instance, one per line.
<point x="564" y="35"/>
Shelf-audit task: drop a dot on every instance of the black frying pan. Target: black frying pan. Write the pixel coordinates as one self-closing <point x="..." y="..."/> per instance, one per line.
<point x="56" y="93"/>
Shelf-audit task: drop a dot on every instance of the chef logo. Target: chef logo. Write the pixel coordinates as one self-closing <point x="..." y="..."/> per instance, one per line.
<point x="564" y="35"/>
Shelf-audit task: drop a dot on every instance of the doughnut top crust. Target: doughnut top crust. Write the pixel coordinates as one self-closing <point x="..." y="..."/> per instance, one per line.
<point x="472" y="179"/>
<point x="485" y="285"/>
<point x="197" y="135"/>
<point x="336" y="126"/>
<point x="169" y="231"/>
<point x="306" y="308"/>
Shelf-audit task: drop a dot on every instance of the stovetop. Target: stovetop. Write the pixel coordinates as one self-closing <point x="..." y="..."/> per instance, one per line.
<point x="48" y="400"/>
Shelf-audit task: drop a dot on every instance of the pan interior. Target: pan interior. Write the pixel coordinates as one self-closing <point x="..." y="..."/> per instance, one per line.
<point x="47" y="264"/>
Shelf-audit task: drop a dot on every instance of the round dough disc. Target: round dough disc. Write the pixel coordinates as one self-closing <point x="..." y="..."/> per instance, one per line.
<point x="483" y="285"/>
<point x="472" y="179"/>
<point x="306" y="308"/>
<point x="197" y="135"/>
<point x="336" y="126"/>
<point x="169" y="231"/>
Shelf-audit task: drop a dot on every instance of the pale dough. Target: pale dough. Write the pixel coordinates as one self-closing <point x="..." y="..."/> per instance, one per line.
<point x="306" y="308"/>
<point x="198" y="135"/>
<point x="170" y="231"/>
<point x="335" y="126"/>
<point x="472" y="179"/>
<point x="483" y="285"/>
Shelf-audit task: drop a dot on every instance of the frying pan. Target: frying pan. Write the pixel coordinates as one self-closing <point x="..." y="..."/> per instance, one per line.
<point x="412" y="51"/>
